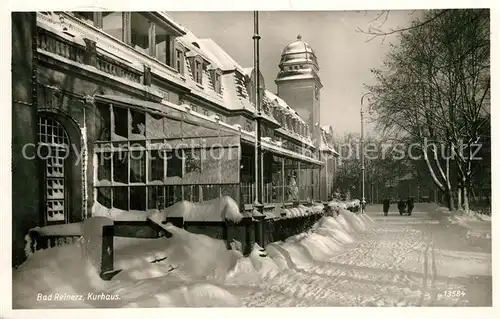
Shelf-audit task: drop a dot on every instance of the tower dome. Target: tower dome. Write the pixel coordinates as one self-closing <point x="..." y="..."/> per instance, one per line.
<point x="297" y="58"/>
<point x="299" y="52"/>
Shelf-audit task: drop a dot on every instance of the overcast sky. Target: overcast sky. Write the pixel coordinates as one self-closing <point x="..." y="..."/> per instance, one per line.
<point x="345" y="58"/>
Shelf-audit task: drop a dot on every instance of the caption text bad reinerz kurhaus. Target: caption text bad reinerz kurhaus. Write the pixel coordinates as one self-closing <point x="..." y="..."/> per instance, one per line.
<point x="76" y="297"/>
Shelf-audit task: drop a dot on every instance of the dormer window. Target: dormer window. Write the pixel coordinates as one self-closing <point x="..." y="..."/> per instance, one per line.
<point x="179" y="60"/>
<point x="196" y="63"/>
<point x="198" y="72"/>
<point x="216" y="75"/>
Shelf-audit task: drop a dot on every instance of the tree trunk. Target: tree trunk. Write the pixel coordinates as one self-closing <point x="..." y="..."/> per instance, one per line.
<point x="449" y="199"/>
<point x="431" y="170"/>
<point x="466" y="200"/>
<point x="459" y="196"/>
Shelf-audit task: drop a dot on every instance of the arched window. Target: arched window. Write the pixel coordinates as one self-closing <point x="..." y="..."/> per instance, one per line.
<point x="54" y="149"/>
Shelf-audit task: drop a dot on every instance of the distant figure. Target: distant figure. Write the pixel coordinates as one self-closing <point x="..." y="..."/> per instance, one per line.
<point x="410" y="204"/>
<point x="401" y="206"/>
<point x="386" y="203"/>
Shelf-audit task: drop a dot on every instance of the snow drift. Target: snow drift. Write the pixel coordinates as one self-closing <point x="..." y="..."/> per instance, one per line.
<point x="325" y="239"/>
<point x="183" y="270"/>
<point x="215" y="210"/>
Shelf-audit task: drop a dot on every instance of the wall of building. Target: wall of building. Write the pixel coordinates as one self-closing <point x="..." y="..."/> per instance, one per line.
<point x="299" y="95"/>
<point x="25" y="190"/>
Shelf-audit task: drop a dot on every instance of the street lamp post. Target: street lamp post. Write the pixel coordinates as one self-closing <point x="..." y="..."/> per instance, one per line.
<point x="363" y="199"/>
<point x="258" y="148"/>
<point x="259" y="180"/>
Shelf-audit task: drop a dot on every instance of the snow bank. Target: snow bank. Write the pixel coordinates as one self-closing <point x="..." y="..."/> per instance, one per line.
<point x="60" y="270"/>
<point x="337" y="205"/>
<point x="216" y="210"/>
<point x="324" y="239"/>
<point x="476" y="226"/>
<point x="302" y="210"/>
<point x="155" y="272"/>
<point x="462" y="217"/>
<point x="174" y="271"/>
<point x="193" y="255"/>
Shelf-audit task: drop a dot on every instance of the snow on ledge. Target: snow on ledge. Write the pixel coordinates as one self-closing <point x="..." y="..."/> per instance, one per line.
<point x="215" y="210"/>
<point x="73" y="229"/>
<point x="118" y="214"/>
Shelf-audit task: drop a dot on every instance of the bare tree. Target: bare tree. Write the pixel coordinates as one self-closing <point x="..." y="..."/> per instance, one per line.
<point x="435" y="91"/>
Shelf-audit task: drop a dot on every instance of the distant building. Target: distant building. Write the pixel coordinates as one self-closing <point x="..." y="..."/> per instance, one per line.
<point x="129" y="111"/>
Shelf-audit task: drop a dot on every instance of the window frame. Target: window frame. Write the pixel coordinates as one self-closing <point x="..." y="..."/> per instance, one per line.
<point x="179" y="59"/>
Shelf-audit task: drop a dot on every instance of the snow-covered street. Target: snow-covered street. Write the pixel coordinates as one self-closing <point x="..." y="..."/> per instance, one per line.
<point x="351" y="260"/>
<point x="418" y="260"/>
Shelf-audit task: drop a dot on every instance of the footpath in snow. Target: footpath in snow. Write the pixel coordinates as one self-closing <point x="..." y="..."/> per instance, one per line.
<point x="183" y="270"/>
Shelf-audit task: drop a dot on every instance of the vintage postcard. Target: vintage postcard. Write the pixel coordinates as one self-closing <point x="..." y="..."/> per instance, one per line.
<point x="256" y="158"/>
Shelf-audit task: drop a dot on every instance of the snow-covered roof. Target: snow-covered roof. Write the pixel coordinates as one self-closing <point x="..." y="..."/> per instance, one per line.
<point x="225" y="61"/>
<point x="191" y="42"/>
<point x="281" y="103"/>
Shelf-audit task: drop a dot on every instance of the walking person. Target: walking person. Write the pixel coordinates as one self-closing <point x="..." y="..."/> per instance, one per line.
<point x="411" y="205"/>
<point x="401" y="206"/>
<point x="386" y="203"/>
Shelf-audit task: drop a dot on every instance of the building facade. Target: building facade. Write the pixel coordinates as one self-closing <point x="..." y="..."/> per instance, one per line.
<point x="130" y="111"/>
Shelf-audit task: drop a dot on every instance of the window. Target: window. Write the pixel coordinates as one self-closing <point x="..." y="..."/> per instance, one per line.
<point x="112" y="24"/>
<point x="156" y="197"/>
<point x="138" y="198"/>
<point x="156" y="165"/>
<point x="137" y="167"/>
<point x="192" y="193"/>
<point x="120" y="167"/>
<point x="205" y="112"/>
<point x="179" y="61"/>
<point x="210" y="191"/>
<point x="194" y="108"/>
<point x="218" y="86"/>
<point x="216" y="80"/>
<point x="86" y="16"/>
<point x="163" y="44"/>
<point x="174" y="163"/>
<point x="197" y="70"/>
<point x="120" y="123"/>
<point x="137" y="175"/>
<point x="192" y="161"/>
<point x="173" y="194"/>
<point x="139" y="36"/>
<point x="120" y="198"/>
<point x="104" y="167"/>
<point x="138" y="124"/>
<point x="103" y="122"/>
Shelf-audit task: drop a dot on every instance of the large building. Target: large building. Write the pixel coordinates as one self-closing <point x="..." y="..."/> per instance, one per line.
<point x="130" y="111"/>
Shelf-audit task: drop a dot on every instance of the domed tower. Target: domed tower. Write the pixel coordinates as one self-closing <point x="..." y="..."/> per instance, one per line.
<point x="299" y="84"/>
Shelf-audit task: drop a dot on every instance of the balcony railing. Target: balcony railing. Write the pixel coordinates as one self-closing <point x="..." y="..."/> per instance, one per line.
<point x="107" y="47"/>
